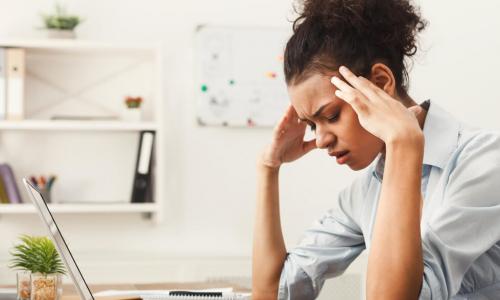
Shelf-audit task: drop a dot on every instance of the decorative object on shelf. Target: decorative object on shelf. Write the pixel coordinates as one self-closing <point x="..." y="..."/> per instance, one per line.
<point x="44" y="185"/>
<point x="61" y="24"/>
<point x="133" y="109"/>
<point x="38" y="256"/>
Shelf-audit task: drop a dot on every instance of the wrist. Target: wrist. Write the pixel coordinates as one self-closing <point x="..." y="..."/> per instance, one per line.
<point x="265" y="167"/>
<point x="410" y="142"/>
<point x="267" y="162"/>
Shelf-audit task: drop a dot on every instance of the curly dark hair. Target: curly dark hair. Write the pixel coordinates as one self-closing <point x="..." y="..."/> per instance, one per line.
<point x="354" y="33"/>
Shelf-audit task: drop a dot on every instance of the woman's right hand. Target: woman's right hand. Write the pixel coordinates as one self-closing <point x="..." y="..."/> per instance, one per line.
<point x="287" y="142"/>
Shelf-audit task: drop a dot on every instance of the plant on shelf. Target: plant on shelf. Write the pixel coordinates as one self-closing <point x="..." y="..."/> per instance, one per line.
<point x="133" y="102"/>
<point x="133" y="111"/>
<point x="61" y="24"/>
<point x="37" y="256"/>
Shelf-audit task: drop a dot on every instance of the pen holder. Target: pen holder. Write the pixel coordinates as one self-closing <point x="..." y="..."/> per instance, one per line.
<point x="45" y="192"/>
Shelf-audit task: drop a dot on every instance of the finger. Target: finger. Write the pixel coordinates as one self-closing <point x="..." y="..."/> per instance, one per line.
<point x="360" y="106"/>
<point x="277" y="131"/>
<point x="362" y="84"/>
<point x="309" y="145"/>
<point x="340" y="84"/>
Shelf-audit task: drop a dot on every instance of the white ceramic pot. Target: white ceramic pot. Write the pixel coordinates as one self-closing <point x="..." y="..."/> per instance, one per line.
<point x="132" y="114"/>
<point x="61" y="34"/>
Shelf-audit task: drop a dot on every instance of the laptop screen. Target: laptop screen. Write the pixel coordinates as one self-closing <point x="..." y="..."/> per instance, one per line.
<point x="57" y="238"/>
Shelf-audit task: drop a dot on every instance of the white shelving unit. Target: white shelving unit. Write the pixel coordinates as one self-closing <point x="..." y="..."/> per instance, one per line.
<point x="93" y="159"/>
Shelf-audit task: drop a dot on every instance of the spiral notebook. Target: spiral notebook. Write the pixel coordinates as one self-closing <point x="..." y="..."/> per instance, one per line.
<point x="214" y="294"/>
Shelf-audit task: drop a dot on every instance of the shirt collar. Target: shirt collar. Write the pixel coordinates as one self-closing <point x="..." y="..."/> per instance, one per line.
<point x="441" y="131"/>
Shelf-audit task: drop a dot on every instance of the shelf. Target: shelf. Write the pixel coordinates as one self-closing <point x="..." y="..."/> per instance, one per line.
<point x="77" y="125"/>
<point x="82" y="208"/>
<point x="78" y="45"/>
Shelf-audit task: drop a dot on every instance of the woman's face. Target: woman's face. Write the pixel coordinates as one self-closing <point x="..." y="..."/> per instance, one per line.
<point x="335" y="123"/>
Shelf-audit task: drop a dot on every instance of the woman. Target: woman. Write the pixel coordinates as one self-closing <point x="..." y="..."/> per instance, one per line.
<point x="428" y="206"/>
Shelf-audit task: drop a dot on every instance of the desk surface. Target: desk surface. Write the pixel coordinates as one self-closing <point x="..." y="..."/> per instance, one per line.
<point x="69" y="291"/>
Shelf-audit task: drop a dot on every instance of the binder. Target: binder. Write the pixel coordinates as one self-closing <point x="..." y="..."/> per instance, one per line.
<point x="4" y="199"/>
<point x="9" y="183"/>
<point x="142" y="177"/>
<point x="15" y="83"/>
<point x="3" y="84"/>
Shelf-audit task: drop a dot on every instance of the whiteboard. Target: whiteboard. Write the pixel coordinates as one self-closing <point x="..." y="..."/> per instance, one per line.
<point x="239" y="72"/>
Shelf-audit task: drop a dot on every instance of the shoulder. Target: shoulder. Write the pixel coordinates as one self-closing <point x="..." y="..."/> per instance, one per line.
<point x="474" y="168"/>
<point x="477" y="147"/>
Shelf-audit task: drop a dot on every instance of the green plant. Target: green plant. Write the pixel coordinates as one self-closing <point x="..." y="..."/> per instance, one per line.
<point x="133" y="102"/>
<point x="61" y="20"/>
<point x="36" y="254"/>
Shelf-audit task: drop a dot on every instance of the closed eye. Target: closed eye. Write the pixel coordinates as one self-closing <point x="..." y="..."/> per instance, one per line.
<point x="333" y="118"/>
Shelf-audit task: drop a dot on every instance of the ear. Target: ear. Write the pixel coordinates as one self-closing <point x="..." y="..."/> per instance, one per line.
<point x="383" y="77"/>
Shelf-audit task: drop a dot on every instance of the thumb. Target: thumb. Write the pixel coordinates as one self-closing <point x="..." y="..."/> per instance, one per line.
<point x="309" y="145"/>
<point x="416" y="110"/>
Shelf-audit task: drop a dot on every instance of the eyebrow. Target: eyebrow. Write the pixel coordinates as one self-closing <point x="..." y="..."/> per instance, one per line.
<point x="318" y="112"/>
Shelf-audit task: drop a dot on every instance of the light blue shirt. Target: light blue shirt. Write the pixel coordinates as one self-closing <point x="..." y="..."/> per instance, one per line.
<point x="460" y="226"/>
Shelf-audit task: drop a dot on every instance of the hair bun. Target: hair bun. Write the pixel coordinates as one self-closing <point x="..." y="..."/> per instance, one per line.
<point x="385" y="23"/>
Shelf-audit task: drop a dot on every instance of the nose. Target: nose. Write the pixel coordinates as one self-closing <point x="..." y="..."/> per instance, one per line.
<point x="324" y="138"/>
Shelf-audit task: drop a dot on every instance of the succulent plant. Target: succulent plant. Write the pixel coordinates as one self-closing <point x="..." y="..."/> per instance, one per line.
<point x="61" y="20"/>
<point x="36" y="254"/>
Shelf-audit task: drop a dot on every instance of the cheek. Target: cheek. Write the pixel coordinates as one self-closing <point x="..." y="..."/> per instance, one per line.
<point x="352" y="132"/>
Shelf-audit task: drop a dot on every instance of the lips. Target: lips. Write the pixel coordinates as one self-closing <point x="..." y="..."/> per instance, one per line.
<point x="342" y="156"/>
<point x="338" y="154"/>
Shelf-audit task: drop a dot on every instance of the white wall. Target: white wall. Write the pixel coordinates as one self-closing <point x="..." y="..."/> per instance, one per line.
<point x="211" y="171"/>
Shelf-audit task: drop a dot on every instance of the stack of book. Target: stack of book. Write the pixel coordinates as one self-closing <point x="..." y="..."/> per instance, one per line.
<point x="9" y="192"/>
<point x="12" y="72"/>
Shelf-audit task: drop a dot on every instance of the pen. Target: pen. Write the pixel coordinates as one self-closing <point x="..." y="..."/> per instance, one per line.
<point x="52" y="178"/>
<point x="33" y="181"/>
<point x="43" y="181"/>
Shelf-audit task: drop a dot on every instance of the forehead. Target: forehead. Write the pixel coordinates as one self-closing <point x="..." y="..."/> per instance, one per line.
<point x="309" y="95"/>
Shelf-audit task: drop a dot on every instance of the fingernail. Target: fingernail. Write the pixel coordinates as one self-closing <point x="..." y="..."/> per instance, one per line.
<point x="342" y="69"/>
<point x="334" y="78"/>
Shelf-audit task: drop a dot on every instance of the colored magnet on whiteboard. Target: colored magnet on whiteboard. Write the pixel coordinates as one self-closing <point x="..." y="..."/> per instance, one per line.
<point x="231" y="82"/>
<point x="204" y="88"/>
<point x="250" y="123"/>
<point x="281" y="58"/>
<point x="271" y="75"/>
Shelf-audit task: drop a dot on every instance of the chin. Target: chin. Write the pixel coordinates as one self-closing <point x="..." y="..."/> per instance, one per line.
<point x="357" y="166"/>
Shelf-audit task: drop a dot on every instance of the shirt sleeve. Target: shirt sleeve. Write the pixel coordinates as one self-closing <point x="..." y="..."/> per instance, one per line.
<point x="326" y="249"/>
<point x="467" y="224"/>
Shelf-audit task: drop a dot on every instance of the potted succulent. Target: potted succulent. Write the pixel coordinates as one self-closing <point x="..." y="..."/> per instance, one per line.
<point x="61" y="24"/>
<point x="133" y="109"/>
<point x="39" y="263"/>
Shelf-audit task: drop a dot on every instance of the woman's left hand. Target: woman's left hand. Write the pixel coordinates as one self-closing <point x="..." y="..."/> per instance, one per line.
<point x="379" y="113"/>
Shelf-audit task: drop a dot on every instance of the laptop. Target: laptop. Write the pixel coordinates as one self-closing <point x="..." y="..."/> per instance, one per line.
<point x="58" y="239"/>
<point x="77" y="277"/>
